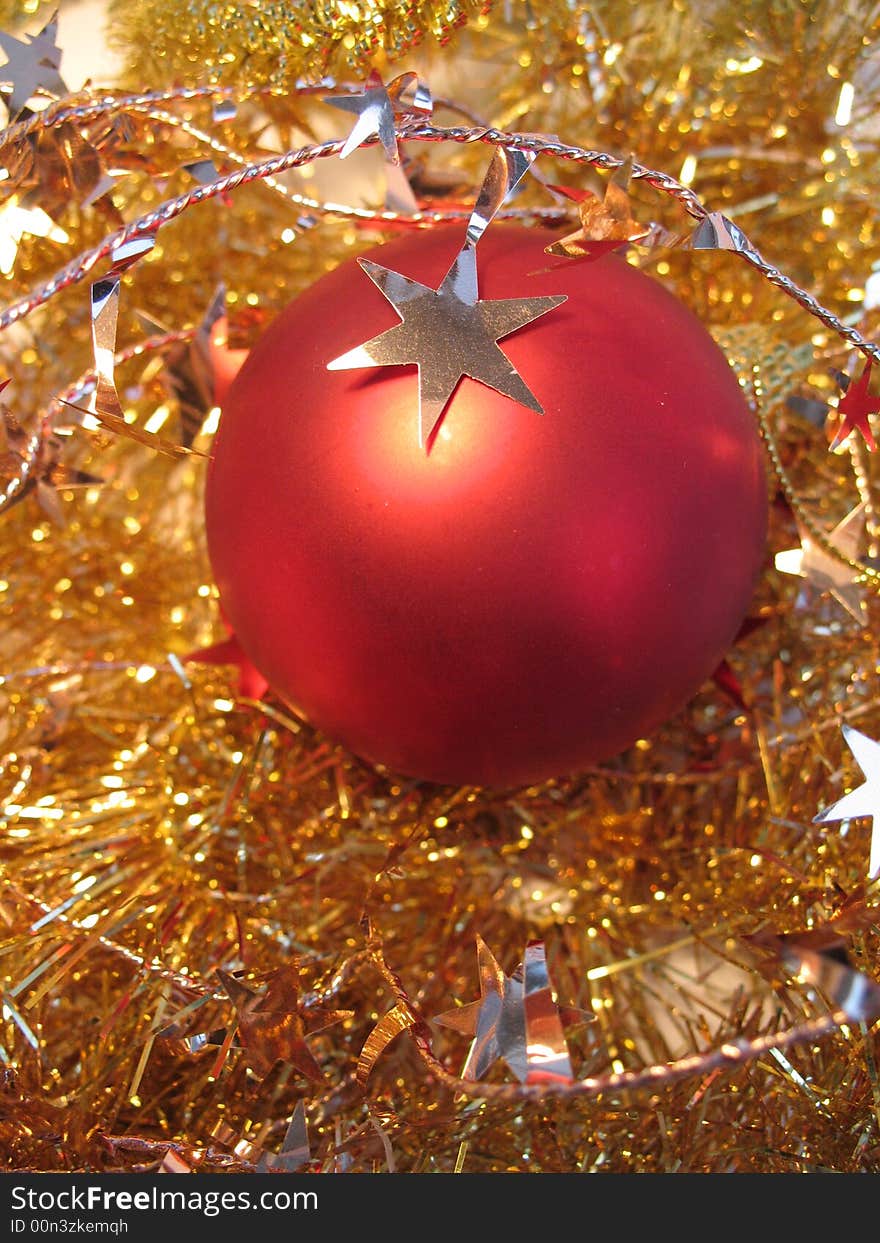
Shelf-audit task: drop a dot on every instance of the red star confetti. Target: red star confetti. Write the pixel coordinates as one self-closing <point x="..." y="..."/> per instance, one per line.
<point x="724" y="677"/>
<point x="855" y="406"/>
<point x="251" y="683"/>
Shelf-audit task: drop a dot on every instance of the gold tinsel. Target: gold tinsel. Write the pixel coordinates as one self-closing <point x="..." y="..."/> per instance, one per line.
<point x="274" y="43"/>
<point x="156" y="826"/>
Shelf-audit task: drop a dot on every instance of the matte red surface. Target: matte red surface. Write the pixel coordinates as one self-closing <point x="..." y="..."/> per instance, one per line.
<point x="537" y="592"/>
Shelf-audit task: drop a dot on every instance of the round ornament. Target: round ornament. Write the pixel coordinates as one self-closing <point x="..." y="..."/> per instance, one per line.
<point x="525" y="593"/>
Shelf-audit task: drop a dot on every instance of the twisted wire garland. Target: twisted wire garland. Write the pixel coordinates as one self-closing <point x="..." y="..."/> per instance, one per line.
<point x="267" y="170"/>
<point x="733" y="1053"/>
<point x="63" y="110"/>
<point x="343" y="210"/>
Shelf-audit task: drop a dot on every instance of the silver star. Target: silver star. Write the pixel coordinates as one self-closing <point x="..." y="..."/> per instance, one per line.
<point x="865" y="799"/>
<point x="827" y="573"/>
<point x="516" y="1019"/>
<point x="377" y="107"/>
<point x="717" y="232"/>
<point x="497" y="1021"/>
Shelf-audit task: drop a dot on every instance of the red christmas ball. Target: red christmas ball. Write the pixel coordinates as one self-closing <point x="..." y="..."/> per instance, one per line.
<point x="536" y="592"/>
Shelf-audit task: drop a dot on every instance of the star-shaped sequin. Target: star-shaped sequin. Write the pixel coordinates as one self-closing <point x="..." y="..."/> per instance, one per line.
<point x="855" y="406"/>
<point x="865" y="799"/>
<point x="606" y="223"/>
<point x="448" y="333"/>
<point x="825" y="572"/>
<point x="31" y="66"/>
<point x="376" y="109"/>
<point x="516" y="1019"/>
<point x="272" y="1024"/>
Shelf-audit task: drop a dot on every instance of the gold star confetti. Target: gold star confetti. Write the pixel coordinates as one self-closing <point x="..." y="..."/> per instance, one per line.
<point x="377" y="107"/>
<point x="449" y="332"/>
<point x="865" y="799"/>
<point x="272" y="1024"/>
<point x="605" y="223"/>
<point x="825" y="572"/>
<point x="67" y="166"/>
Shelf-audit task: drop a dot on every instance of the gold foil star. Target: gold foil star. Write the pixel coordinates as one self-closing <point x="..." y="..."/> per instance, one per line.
<point x="272" y="1024"/>
<point x="447" y="336"/>
<point x="825" y="572"/>
<point x="31" y="66"/>
<point x="376" y="109"/>
<point x="865" y="799"/>
<point x="449" y="332"/>
<point x="605" y="222"/>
